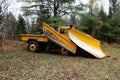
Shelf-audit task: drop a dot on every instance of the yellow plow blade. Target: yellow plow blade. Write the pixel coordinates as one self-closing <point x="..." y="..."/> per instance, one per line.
<point x="88" y="43"/>
<point x="59" y="39"/>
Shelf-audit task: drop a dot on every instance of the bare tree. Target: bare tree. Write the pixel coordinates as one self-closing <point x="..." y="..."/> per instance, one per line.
<point x="4" y="4"/>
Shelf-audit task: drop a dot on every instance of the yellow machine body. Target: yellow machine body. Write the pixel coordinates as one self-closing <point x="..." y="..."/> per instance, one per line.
<point x="61" y="40"/>
<point x="87" y="43"/>
<point x="68" y="39"/>
<point x="26" y="37"/>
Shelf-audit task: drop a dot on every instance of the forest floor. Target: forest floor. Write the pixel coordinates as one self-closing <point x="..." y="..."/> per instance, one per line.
<point x="18" y="64"/>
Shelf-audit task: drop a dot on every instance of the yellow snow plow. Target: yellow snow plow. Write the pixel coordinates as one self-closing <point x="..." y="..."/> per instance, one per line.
<point x="84" y="41"/>
<point x="88" y="43"/>
<point x="64" y="39"/>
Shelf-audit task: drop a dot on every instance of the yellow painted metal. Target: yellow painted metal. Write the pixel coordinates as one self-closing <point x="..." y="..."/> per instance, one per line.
<point x="64" y="51"/>
<point x="87" y="43"/>
<point x="65" y="31"/>
<point x="59" y="39"/>
<point x="32" y="47"/>
<point x="80" y="39"/>
<point x="26" y="37"/>
<point x="63" y="28"/>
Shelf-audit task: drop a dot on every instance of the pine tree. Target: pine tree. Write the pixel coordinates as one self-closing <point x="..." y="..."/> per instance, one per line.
<point x="20" y="27"/>
<point x="1" y="16"/>
<point x="1" y="20"/>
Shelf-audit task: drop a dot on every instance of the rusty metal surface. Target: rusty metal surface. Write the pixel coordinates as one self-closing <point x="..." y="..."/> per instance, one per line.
<point x="58" y="38"/>
<point x="54" y="39"/>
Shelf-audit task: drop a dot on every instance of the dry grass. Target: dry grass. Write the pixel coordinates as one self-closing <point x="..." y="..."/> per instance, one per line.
<point x="46" y="66"/>
<point x="12" y="46"/>
<point x="18" y="64"/>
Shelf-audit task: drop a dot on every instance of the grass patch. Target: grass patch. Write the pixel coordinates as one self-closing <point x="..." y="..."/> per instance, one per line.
<point x="45" y="66"/>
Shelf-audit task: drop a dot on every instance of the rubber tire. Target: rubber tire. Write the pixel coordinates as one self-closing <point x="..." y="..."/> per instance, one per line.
<point x="64" y="52"/>
<point x="33" y="46"/>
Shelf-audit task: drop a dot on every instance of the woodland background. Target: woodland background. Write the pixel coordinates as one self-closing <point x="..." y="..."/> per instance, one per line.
<point x="86" y="17"/>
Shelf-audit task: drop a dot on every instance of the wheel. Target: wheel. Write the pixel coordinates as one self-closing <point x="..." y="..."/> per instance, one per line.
<point x="47" y="48"/>
<point x="64" y="51"/>
<point x="33" y="46"/>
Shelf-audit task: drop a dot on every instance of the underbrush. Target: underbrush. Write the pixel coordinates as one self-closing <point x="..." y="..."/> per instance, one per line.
<point x="12" y="46"/>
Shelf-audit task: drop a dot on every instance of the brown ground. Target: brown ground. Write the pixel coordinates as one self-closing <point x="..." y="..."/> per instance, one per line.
<point x="12" y="46"/>
<point x="17" y="65"/>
